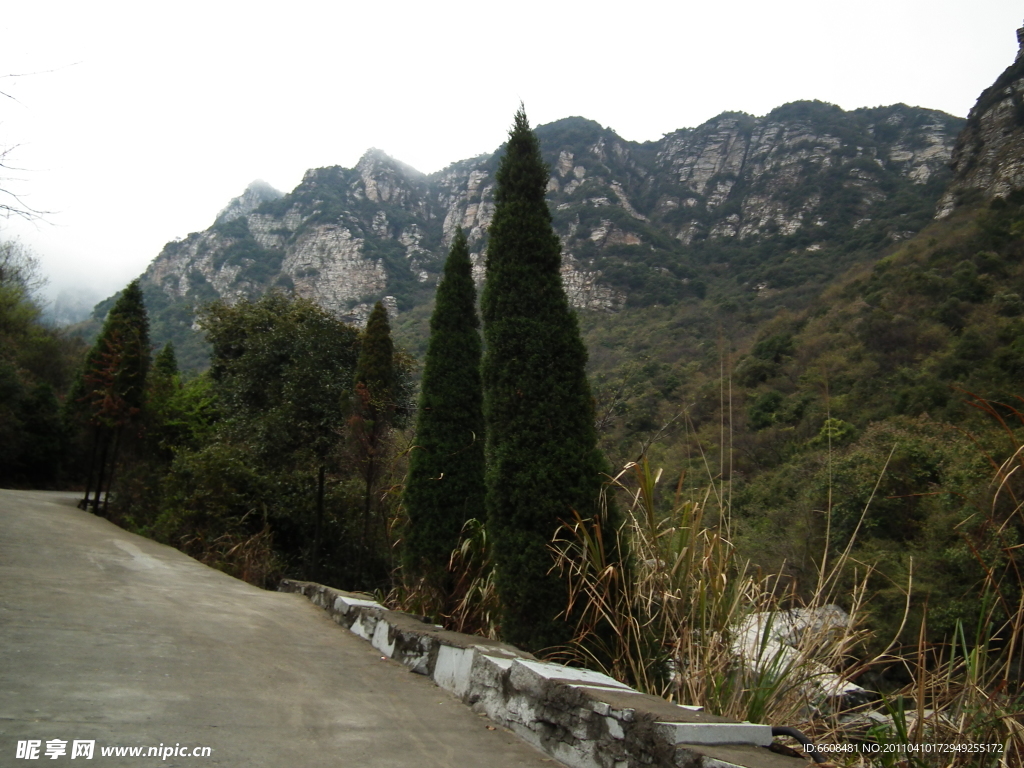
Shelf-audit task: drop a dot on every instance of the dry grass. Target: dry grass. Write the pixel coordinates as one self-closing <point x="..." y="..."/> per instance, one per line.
<point x="687" y="620"/>
<point x="471" y="605"/>
<point x="249" y="558"/>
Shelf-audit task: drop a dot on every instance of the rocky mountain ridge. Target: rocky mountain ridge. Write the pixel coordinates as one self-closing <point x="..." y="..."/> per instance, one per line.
<point x="640" y="223"/>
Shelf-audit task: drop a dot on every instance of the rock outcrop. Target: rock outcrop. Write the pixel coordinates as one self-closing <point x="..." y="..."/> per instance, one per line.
<point x="988" y="160"/>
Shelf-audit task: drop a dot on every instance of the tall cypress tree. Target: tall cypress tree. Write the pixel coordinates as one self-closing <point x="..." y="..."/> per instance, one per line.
<point x="111" y="388"/>
<point x="542" y="457"/>
<point x="445" y="485"/>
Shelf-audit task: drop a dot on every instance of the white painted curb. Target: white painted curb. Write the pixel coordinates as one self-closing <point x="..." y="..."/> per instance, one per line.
<point x="580" y="717"/>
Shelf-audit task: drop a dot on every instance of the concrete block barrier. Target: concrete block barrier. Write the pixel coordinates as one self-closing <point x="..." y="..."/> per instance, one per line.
<point x="581" y="718"/>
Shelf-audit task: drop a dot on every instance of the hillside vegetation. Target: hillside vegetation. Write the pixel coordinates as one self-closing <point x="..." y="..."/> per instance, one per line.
<point x="796" y="411"/>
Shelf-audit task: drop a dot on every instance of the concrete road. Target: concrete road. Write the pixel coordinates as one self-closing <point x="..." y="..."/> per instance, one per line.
<point x="109" y="637"/>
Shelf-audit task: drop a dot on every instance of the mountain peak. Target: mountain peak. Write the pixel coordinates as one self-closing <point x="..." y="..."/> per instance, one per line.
<point x="257" y="193"/>
<point x="374" y="158"/>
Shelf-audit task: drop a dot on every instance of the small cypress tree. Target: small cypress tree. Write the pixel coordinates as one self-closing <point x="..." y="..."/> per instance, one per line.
<point x="542" y="456"/>
<point x="375" y="369"/>
<point x="166" y="362"/>
<point x="162" y="385"/>
<point x="373" y="409"/>
<point x="445" y="485"/>
<point x="126" y="334"/>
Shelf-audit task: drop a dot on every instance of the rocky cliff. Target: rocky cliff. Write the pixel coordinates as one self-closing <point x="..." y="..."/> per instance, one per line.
<point x="640" y="223"/>
<point x="988" y="160"/>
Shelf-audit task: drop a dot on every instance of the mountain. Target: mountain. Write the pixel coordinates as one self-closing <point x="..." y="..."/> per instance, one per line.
<point x="765" y="203"/>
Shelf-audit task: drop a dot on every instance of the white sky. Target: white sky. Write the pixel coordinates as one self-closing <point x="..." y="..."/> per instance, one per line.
<point x="135" y="123"/>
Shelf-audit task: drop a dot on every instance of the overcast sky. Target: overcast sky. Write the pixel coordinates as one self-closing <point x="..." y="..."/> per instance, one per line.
<point x="135" y="123"/>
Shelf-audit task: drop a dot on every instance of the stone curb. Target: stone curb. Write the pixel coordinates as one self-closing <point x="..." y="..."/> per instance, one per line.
<point x="581" y="718"/>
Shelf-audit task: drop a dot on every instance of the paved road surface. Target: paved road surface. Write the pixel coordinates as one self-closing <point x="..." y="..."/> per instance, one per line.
<point x="110" y="637"/>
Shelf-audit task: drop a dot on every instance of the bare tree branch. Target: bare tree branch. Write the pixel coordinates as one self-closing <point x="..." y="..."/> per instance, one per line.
<point x="29" y="74"/>
<point x="11" y="203"/>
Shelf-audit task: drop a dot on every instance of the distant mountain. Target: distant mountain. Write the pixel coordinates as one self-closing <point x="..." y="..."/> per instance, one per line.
<point x="70" y="306"/>
<point x="763" y="203"/>
<point x="876" y="408"/>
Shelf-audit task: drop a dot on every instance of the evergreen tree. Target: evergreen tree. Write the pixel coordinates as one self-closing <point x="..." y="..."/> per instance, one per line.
<point x="160" y="422"/>
<point x="445" y="485"/>
<point x="166" y="362"/>
<point x="376" y="367"/>
<point x="542" y="458"/>
<point x="111" y="389"/>
<point x="373" y="410"/>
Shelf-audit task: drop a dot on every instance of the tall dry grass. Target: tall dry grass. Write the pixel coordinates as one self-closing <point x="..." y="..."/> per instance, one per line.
<point x="688" y="620"/>
<point x="471" y="605"/>
<point x="250" y="558"/>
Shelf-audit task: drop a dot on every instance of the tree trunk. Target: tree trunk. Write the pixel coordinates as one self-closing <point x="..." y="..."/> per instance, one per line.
<point x="113" y="466"/>
<point x="84" y="503"/>
<point x="318" y="530"/>
<point x="364" y="547"/>
<point x="102" y="473"/>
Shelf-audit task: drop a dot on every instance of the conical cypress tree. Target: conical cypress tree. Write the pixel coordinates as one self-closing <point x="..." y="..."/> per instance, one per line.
<point x="445" y="485"/>
<point x="125" y="335"/>
<point x="111" y="387"/>
<point x="166" y="362"/>
<point x="542" y="456"/>
<point x="375" y="369"/>
<point x="373" y="409"/>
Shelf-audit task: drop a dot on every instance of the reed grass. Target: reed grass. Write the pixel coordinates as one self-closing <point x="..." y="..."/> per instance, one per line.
<point x="688" y="620"/>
